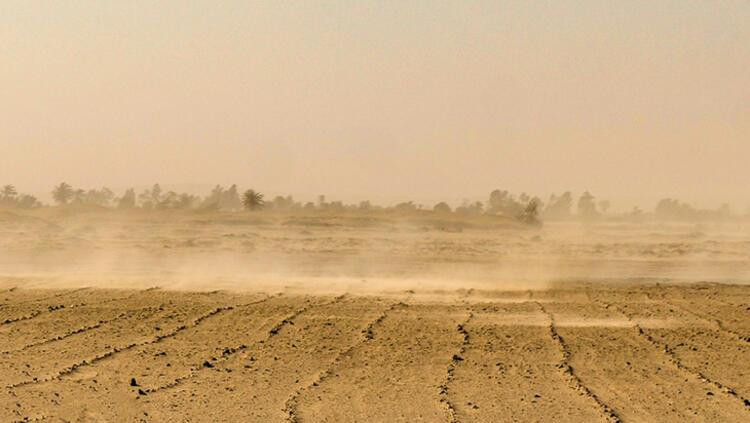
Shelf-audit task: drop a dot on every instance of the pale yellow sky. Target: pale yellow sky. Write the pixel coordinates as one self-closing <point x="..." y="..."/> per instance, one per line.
<point x="632" y="100"/>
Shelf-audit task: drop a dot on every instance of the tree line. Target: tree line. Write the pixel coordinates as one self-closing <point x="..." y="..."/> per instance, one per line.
<point x="9" y="197"/>
<point x="528" y="209"/>
<point x="156" y="198"/>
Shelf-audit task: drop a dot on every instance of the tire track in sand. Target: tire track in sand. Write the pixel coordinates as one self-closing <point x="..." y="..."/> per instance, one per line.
<point x="291" y="404"/>
<point x="43" y="298"/>
<point x="575" y="381"/>
<point x="57" y="307"/>
<point x="228" y="353"/>
<point x="116" y="350"/>
<point x="87" y="328"/>
<point x="672" y="357"/>
<point x="455" y="361"/>
<point x="82" y="329"/>
<point x="711" y="320"/>
<point x="77" y="331"/>
<point x="706" y="317"/>
<point x="49" y="309"/>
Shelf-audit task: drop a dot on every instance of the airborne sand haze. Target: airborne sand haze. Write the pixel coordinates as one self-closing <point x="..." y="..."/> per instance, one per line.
<point x="153" y="304"/>
<point x="391" y="100"/>
<point x="163" y="314"/>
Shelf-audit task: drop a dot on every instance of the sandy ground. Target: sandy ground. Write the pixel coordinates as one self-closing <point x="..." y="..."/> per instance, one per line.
<point x="642" y="352"/>
<point x="253" y="319"/>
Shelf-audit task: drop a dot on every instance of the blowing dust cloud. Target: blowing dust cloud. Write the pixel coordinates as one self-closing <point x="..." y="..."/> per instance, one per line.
<point x="337" y="211"/>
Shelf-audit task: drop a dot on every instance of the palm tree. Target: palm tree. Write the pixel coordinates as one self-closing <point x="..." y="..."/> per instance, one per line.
<point x="530" y="215"/>
<point x="9" y="191"/>
<point x="252" y="200"/>
<point x="62" y="193"/>
<point x="128" y="200"/>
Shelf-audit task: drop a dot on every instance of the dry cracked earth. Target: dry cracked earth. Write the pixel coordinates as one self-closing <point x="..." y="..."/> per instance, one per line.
<point x="573" y="352"/>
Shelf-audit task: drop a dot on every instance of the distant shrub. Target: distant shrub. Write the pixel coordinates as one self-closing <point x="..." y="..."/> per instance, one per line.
<point x="442" y="207"/>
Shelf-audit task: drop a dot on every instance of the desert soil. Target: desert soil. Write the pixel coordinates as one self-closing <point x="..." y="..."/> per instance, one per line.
<point x="267" y="317"/>
<point x="572" y="352"/>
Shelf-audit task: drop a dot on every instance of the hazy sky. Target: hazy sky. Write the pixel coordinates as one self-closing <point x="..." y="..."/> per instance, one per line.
<point x="632" y="100"/>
